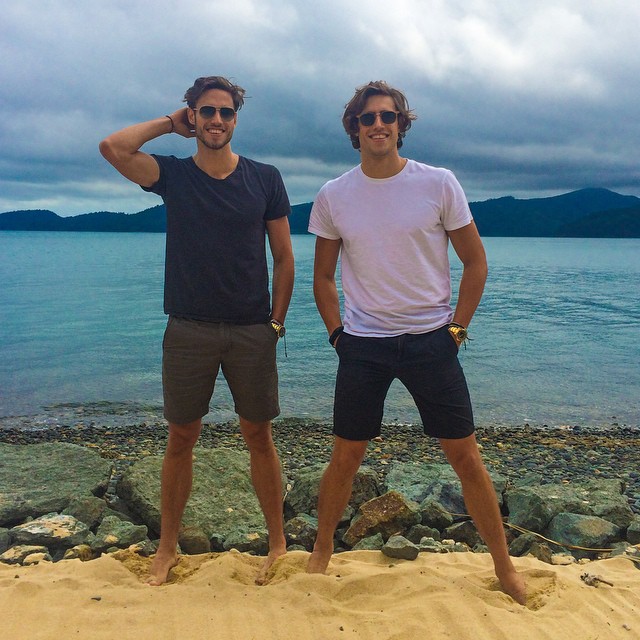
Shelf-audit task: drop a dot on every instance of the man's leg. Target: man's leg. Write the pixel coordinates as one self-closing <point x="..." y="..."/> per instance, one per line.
<point x="335" y="491"/>
<point x="177" y="477"/>
<point x="266" y="476"/>
<point x="482" y="504"/>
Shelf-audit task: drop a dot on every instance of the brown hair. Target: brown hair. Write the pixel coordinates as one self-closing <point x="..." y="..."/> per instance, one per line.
<point x="355" y="106"/>
<point x="207" y="83"/>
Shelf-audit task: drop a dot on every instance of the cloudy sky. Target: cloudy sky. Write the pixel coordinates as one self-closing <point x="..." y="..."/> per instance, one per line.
<point x="518" y="97"/>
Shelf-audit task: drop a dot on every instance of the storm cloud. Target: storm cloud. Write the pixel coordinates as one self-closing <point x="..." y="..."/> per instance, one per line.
<point x="529" y="99"/>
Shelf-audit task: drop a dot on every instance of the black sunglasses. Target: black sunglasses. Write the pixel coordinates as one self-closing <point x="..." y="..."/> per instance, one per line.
<point x="367" y="119"/>
<point x="207" y="112"/>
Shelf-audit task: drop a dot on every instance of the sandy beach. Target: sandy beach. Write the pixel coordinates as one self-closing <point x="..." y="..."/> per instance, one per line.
<point x="365" y="595"/>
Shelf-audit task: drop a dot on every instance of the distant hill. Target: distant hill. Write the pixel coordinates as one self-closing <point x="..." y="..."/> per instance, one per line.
<point x="299" y="218"/>
<point x="587" y="213"/>
<point x="550" y="217"/>
<point x="39" y="220"/>
<point x="615" y="223"/>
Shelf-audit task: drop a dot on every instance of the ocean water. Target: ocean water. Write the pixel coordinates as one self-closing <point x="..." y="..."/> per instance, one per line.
<point x="555" y="339"/>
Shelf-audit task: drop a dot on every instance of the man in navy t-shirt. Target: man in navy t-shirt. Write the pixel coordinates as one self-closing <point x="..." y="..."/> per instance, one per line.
<point x="221" y="315"/>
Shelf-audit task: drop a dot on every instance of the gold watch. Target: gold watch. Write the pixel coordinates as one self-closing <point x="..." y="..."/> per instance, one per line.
<point x="278" y="327"/>
<point x="458" y="332"/>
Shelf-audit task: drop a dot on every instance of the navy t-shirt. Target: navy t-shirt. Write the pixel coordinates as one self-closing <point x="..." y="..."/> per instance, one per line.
<point x="216" y="264"/>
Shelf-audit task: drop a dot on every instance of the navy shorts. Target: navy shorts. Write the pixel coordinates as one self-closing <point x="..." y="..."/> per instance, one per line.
<point x="426" y="364"/>
<point x="193" y="352"/>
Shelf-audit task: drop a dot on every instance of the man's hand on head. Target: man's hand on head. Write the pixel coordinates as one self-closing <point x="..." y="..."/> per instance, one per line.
<point x="181" y="124"/>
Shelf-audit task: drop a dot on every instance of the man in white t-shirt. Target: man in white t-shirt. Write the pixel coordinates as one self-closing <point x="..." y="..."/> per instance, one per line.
<point x="390" y="221"/>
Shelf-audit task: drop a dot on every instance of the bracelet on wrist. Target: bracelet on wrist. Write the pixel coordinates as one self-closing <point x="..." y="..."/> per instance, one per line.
<point x="172" y="125"/>
<point x="334" y="336"/>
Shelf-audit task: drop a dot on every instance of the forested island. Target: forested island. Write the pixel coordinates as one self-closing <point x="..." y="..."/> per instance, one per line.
<point x="587" y="213"/>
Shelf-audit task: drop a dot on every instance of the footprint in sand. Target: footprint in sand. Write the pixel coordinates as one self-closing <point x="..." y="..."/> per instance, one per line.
<point x="140" y="566"/>
<point x="541" y="585"/>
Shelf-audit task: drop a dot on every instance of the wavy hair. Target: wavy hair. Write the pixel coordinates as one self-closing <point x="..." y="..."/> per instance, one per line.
<point x="356" y="105"/>
<point x="206" y="83"/>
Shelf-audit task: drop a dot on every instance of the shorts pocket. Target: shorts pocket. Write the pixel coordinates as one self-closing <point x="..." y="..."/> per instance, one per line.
<point x="451" y="339"/>
<point x="341" y="341"/>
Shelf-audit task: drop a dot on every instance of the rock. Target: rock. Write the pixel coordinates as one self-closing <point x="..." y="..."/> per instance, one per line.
<point x="437" y="482"/>
<point x="117" y="533"/>
<point x="541" y="551"/>
<point x="419" y="531"/>
<point x="87" y="509"/>
<point x="256" y="542"/>
<point x="430" y="545"/>
<point x="400" y="547"/>
<point x="216" y="542"/>
<point x="521" y="545"/>
<point x="81" y="552"/>
<point x="388" y="514"/>
<point x="144" y="548"/>
<point x="451" y="546"/>
<point x="528" y="509"/>
<point x="222" y="500"/>
<point x="5" y="539"/>
<point x="36" y="558"/>
<point x="620" y="549"/>
<point x="302" y="530"/>
<point x="193" y="540"/>
<point x="464" y="532"/>
<point x="442" y="546"/>
<point x="529" y="479"/>
<point x="605" y="499"/>
<point x="17" y="554"/>
<point x="533" y="507"/>
<point x="52" y="530"/>
<point x="633" y="532"/>
<point x="435" y="515"/>
<point x="562" y="559"/>
<point x="44" y="478"/>
<point x="303" y="497"/>
<point x="372" y="543"/>
<point x="582" y="531"/>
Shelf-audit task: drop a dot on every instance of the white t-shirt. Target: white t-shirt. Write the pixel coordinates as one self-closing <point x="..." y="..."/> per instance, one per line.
<point x="395" y="267"/>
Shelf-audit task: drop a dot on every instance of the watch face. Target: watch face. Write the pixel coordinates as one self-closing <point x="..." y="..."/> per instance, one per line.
<point x="279" y="329"/>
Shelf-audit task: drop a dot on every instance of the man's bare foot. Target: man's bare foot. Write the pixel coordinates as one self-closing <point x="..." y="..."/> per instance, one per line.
<point x="319" y="560"/>
<point x="160" y="568"/>
<point x="261" y="578"/>
<point x="513" y="584"/>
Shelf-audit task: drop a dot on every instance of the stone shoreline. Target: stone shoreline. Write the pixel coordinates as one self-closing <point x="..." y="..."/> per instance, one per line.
<point x="559" y="455"/>
<point x="90" y="489"/>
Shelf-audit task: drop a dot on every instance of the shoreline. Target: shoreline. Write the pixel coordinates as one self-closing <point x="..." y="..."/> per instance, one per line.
<point x="556" y="454"/>
<point x="118" y="413"/>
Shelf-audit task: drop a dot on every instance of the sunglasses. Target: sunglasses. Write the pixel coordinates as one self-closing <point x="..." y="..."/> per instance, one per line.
<point x="226" y="113"/>
<point x="367" y="119"/>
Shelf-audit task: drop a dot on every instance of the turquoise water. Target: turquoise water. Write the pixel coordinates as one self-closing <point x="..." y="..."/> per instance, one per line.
<point x="555" y="340"/>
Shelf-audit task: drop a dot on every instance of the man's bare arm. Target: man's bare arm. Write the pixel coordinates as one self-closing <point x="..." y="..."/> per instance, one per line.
<point x="325" y="289"/>
<point x="468" y="246"/>
<point x="283" y="266"/>
<point x="122" y="148"/>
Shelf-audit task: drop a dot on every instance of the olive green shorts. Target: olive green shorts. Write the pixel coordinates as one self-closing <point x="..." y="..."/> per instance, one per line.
<point x="193" y="352"/>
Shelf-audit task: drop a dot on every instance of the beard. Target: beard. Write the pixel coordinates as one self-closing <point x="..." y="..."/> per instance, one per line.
<point x="215" y="144"/>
